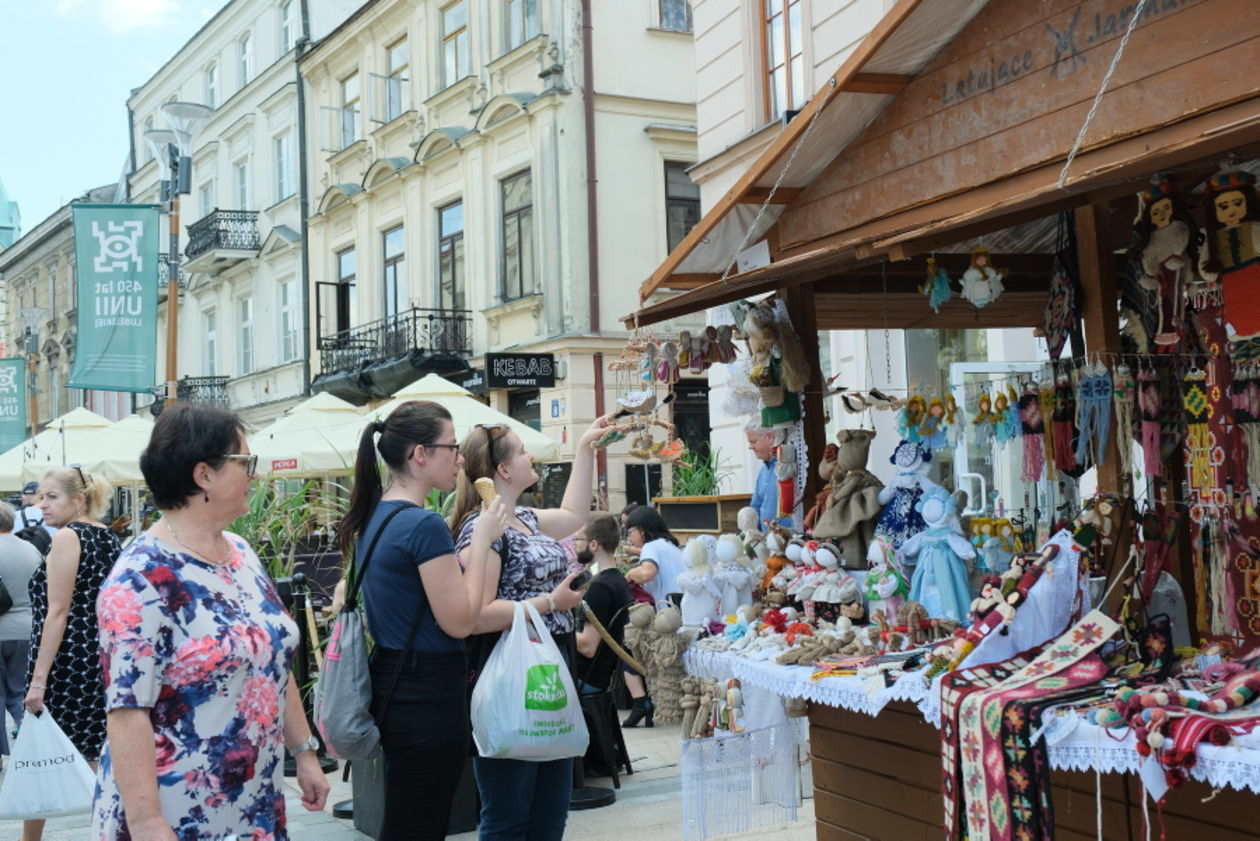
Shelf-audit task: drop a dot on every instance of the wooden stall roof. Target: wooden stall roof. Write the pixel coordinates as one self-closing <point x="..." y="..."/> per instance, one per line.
<point x="977" y="140"/>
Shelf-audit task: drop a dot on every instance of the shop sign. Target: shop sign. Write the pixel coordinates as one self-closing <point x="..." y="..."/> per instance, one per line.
<point x="12" y="402"/>
<point x="474" y="381"/>
<point x="520" y="370"/>
<point x="278" y="464"/>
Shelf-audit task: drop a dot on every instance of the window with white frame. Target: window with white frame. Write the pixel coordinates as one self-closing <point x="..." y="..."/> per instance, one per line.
<point x="244" y="59"/>
<point x="520" y="20"/>
<point x="675" y="15"/>
<point x="212" y="84"/>
<point x="452" y="288"/>
<point x="282" y="152"/>
<point x="245" y="351"/>
<point x="783" y="58"/>
<point x="397" y="90"/>
<point x="519" y="276"/>
<point x="349" y="109"/>
<point x="210" y="341"/>
<point x="455" y="43"/>
<point x="395" y="278"/>
<point x="240" y="184"/>
<point x="288" y="321"/>
<point x="288" y="25"/>
<point x="336" y="304"/>
<point x="682" y="203"/>
<point x="205" y="198"/>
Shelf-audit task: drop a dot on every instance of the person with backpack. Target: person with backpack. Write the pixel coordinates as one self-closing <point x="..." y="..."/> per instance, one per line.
<point x="420" y="606"/>
<point x="29" y="521"/>
<point x="18" y="562"/>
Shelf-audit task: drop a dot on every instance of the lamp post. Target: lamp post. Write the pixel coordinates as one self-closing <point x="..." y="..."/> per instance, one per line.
<point x="31" y="318"/>
<point x="173" y="150"/>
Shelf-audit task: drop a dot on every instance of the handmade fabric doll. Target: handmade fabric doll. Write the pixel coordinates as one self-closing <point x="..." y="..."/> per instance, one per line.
<point x="981" y="283"/>
<point x="779" y="368"/>
<point x="886" y="586"/>
<point x="785" y="474"/>
<point x="900" y="517"/>
<point x="826" y="472"/>
<point x="828" y="594"/>
<point x="934" y="430"/>
<point x="1231" y="256"/>
<point x="1163" y="244"/>
<point x="940" y="580"/>
<point x="998" y="550"/>
<point x="801" y="588"/>
<point x="776" y="561"/>
<point x="936" y="285"/>
<point x="755" y="545"/>
<point x="733" y="575"/>
<point x="854" y="507"/>
<point x="700" y="592"/>
<point x="664" y="664"/>
<point x="983" y="421"/>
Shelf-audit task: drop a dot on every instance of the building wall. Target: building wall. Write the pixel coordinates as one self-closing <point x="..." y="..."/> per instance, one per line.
<point x="519" y="109"/>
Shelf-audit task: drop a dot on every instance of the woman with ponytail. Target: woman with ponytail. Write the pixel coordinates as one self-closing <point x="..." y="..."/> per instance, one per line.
<point x="523" y="800"/>
<point x="413" y="567"/>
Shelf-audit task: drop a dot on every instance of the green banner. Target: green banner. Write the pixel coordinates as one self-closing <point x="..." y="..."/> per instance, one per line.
<point x="116" y="255"/>
<point x="12" y="402"/>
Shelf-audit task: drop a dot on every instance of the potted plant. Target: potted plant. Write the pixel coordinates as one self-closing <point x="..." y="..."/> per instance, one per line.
<point x="694" y="505"/>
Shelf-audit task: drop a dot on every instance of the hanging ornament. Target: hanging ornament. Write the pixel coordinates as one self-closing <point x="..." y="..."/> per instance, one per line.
<point x="1047" y="398"/>
<point x="1061" y="420"/>
<point x="1031" y="424"/>
<point x="936" y="286"/>
<point x="1245" y="400"/>
<point x="910" y="418"/>
<point x="982" y="283"/>
<point x="1005" y="419"/>
<point x="1094" y="414"/>
<point x="1122" y="396"/>
<point x="933" y="430"/>
<point x="984" y="421"/>
<point x="1229" y="256"/>
<point x="1162" y="245"/>
<point x="1149" y="406"/>
<point x="1194" y="400"/>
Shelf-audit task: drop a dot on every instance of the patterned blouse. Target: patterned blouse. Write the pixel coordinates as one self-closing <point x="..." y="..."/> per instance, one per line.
<point x="533" y="564"/>
<point x="207" y="650"/>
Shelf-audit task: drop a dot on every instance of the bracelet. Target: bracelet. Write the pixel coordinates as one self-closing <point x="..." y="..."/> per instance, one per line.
<point x="551" y="602"/>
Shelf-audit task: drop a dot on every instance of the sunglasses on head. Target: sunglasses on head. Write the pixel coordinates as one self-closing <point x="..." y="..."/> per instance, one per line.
<point x="490" y="439"/>
<point x="82" y="477"/>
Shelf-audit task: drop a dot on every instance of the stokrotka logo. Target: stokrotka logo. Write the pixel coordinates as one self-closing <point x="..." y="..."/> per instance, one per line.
<point x="544" y="690"/>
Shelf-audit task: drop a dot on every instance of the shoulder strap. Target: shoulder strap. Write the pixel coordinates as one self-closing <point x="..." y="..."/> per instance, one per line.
<point x="625" y="656"/>
<point x="25" y="522"/>
<point x="356" y="580"/>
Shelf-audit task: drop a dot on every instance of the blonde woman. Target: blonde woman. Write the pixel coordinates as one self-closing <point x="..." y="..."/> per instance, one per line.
<point x="64" y="672"/>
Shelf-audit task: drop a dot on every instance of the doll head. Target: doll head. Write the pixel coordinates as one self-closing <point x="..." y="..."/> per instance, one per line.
<point x="937" y="506"/>
<point x="910" y="457"/>
<point x="880" y="554"/>
<point x="979" y="258"/>
<point x="696" y="554"/>
<point x="854" y="449"/>
<point x="826" y="555"/>
<point x="794" y="550"/>
<point x="1233" y="201"/>
<point x="667" y="621"/>
<point x="747" y="519"/>
<point x="730" y="550"/>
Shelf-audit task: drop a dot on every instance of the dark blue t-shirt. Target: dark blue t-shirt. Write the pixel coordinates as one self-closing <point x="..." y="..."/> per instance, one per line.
<point x="392" y="590"/>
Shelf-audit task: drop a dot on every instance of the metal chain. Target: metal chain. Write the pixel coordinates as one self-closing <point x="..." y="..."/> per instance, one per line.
<point x="883" y="280"/>
<point x="1093" y="109"/>
<point x="761" y="211"/>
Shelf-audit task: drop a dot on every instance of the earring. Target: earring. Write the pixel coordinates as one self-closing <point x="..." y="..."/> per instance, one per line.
<point x="206" y="494"/>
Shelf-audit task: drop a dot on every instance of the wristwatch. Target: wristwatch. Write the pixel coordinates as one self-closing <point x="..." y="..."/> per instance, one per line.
<point x="310" y="744"/>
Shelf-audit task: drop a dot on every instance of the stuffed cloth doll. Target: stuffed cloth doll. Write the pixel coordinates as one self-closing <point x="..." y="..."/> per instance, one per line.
<point x="936" y="285"/>
<point x="854" y="507"/>
<point x="900" y="517"/>
<point x="1163" y="245"/>
<point x="751" y="536"/>
<point x="700" y="591"/>
<point x="776" y="561"/>
<point x="664" y="664"/>
<point x="733" y="575"/>
<point x="785" y="474"/>
<point x="983" y="420"/>
<point x="801" y="589"/>
<point x="828" y="594"/>
<point x="886" y="586"/>
<point x="826" y="472"/>
<point x="1231" y="256"/>
<point x="999" y="549"/>
<point x="981" y="283"/>
<point x="940" y="581"/>
<point x="1032" y="426"/>
<point x="935" y="427"/>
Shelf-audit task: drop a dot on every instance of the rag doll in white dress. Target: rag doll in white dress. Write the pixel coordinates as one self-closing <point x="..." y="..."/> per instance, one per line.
<point x="700" y="591"/>
<point x="733" y="575"/>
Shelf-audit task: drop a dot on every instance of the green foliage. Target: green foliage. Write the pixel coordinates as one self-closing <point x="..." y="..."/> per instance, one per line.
<point x="280" y="516"/>
<point x="699" y="473"/>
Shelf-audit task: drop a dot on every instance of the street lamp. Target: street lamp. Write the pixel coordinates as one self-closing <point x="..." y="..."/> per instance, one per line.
<point x="173" y="149"/>
<point x="31" y="318"/>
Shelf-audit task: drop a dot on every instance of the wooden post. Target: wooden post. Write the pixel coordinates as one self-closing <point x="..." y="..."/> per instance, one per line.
<point x="172" y="300"/>
<point x="800" y="307"/>
<point x="1102" y="328"/>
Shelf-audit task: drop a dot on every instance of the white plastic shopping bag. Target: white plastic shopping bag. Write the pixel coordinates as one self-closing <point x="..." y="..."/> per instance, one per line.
<point x="46" y="776"/>
<point x="524" y="705"/>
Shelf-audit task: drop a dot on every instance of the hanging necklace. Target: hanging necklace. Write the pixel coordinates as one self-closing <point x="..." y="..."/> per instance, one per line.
<point x="226" y="559"/>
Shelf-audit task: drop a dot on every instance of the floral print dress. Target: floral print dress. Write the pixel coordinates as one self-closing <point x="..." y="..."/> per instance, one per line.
<point x="207" y="650"/>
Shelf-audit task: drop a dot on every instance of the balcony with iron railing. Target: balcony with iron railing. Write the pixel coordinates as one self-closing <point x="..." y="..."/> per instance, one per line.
<point x="379" y="358"/>
<point x="221" y="239"/>
<point x="210" y="391"/>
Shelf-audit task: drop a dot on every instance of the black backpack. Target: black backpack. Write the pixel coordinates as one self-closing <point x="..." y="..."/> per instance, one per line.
<point x="36" y="535"/>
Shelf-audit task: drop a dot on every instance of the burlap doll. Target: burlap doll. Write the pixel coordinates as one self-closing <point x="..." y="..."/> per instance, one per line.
<point x="664" y="663"/>
<point x="854" y="506"/>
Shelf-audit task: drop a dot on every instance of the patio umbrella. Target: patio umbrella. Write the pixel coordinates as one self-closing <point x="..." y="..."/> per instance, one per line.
<point x="79" y="437"/>
<point x="467" y="411"/>
<point x="317" y="437"/>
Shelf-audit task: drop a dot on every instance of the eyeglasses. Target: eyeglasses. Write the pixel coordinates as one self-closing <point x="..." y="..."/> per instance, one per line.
<point x="443" y="446"/>
<point x="250" y="459"/>
<point x="490" y="439"/>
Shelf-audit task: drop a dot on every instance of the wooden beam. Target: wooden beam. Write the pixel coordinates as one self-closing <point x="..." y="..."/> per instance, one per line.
<point x="783" y="195"/>
<point x="882" y="83"/>
<point x="804" y="316"/>
<point x="1096" y="262"/>
<point x="690" y="281"/>
<point x="782" y="143"/>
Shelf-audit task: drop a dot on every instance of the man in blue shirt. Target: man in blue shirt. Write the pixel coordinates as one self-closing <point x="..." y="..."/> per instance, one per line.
<point x="766" y="489"/>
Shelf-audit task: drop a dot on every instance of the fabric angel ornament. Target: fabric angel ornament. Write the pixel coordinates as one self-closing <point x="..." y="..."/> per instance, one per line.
<point x="981" y="283"/>
<point x="940" y="582"/>
<point x="936" y="285"/>
<point x="733" y="575"/>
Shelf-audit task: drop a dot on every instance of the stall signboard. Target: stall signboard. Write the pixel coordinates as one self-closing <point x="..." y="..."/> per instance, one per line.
<point x="116" y="254"/>
<point x="12" y="403"/>
<point x="474" y="380"/>
<point x="520" y="370"/>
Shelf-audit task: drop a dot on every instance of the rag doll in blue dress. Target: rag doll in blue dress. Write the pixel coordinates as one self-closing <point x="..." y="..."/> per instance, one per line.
<point x="940" y="581"/>
<point x="900" y="518"/>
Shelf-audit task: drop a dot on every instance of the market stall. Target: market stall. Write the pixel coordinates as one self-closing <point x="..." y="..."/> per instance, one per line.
<point x="1079" y="168"/>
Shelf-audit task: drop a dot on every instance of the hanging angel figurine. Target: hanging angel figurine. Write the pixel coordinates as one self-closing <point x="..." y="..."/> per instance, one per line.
<point x="981" y="283"/>
<point x="936" y="285"/>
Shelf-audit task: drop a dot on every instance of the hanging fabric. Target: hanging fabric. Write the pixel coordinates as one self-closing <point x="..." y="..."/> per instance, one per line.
<point x="1123" y="390"/>
<point x="1031" y="424"/>
<point x="1064" y="414"/>
<point x="1194" y="400"/>
<point x="1149" y="403"/>
<point x="1047" y="396"/>
<point x="1062" y="313"/>
<point x="1095" y="414"/>
<point x="1245" y="400"/>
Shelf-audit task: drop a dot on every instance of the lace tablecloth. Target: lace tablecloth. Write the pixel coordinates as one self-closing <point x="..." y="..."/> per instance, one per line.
<point x="1085" y="748"/>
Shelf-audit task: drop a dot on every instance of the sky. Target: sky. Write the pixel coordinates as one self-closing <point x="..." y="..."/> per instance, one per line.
<point x="66" y="70"/>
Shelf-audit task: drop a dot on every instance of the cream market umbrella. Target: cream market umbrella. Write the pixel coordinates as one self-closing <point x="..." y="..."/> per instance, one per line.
<point x="467" y="412"/>
<point x="77" y="437"/>
<point x="317" y="437"/>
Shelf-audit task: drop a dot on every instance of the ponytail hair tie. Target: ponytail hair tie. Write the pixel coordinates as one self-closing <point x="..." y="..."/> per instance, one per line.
<point x="379" y="426"/>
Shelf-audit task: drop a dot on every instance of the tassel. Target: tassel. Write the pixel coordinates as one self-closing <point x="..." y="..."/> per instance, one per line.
<point x="1148" y="403"/>
<point x="1047" y="410"/>
<point x="1122" y="393"/>
<point x="1064" y="414"/>
<point x="1198" y="435"/>
<point x="1032" y="426"/>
